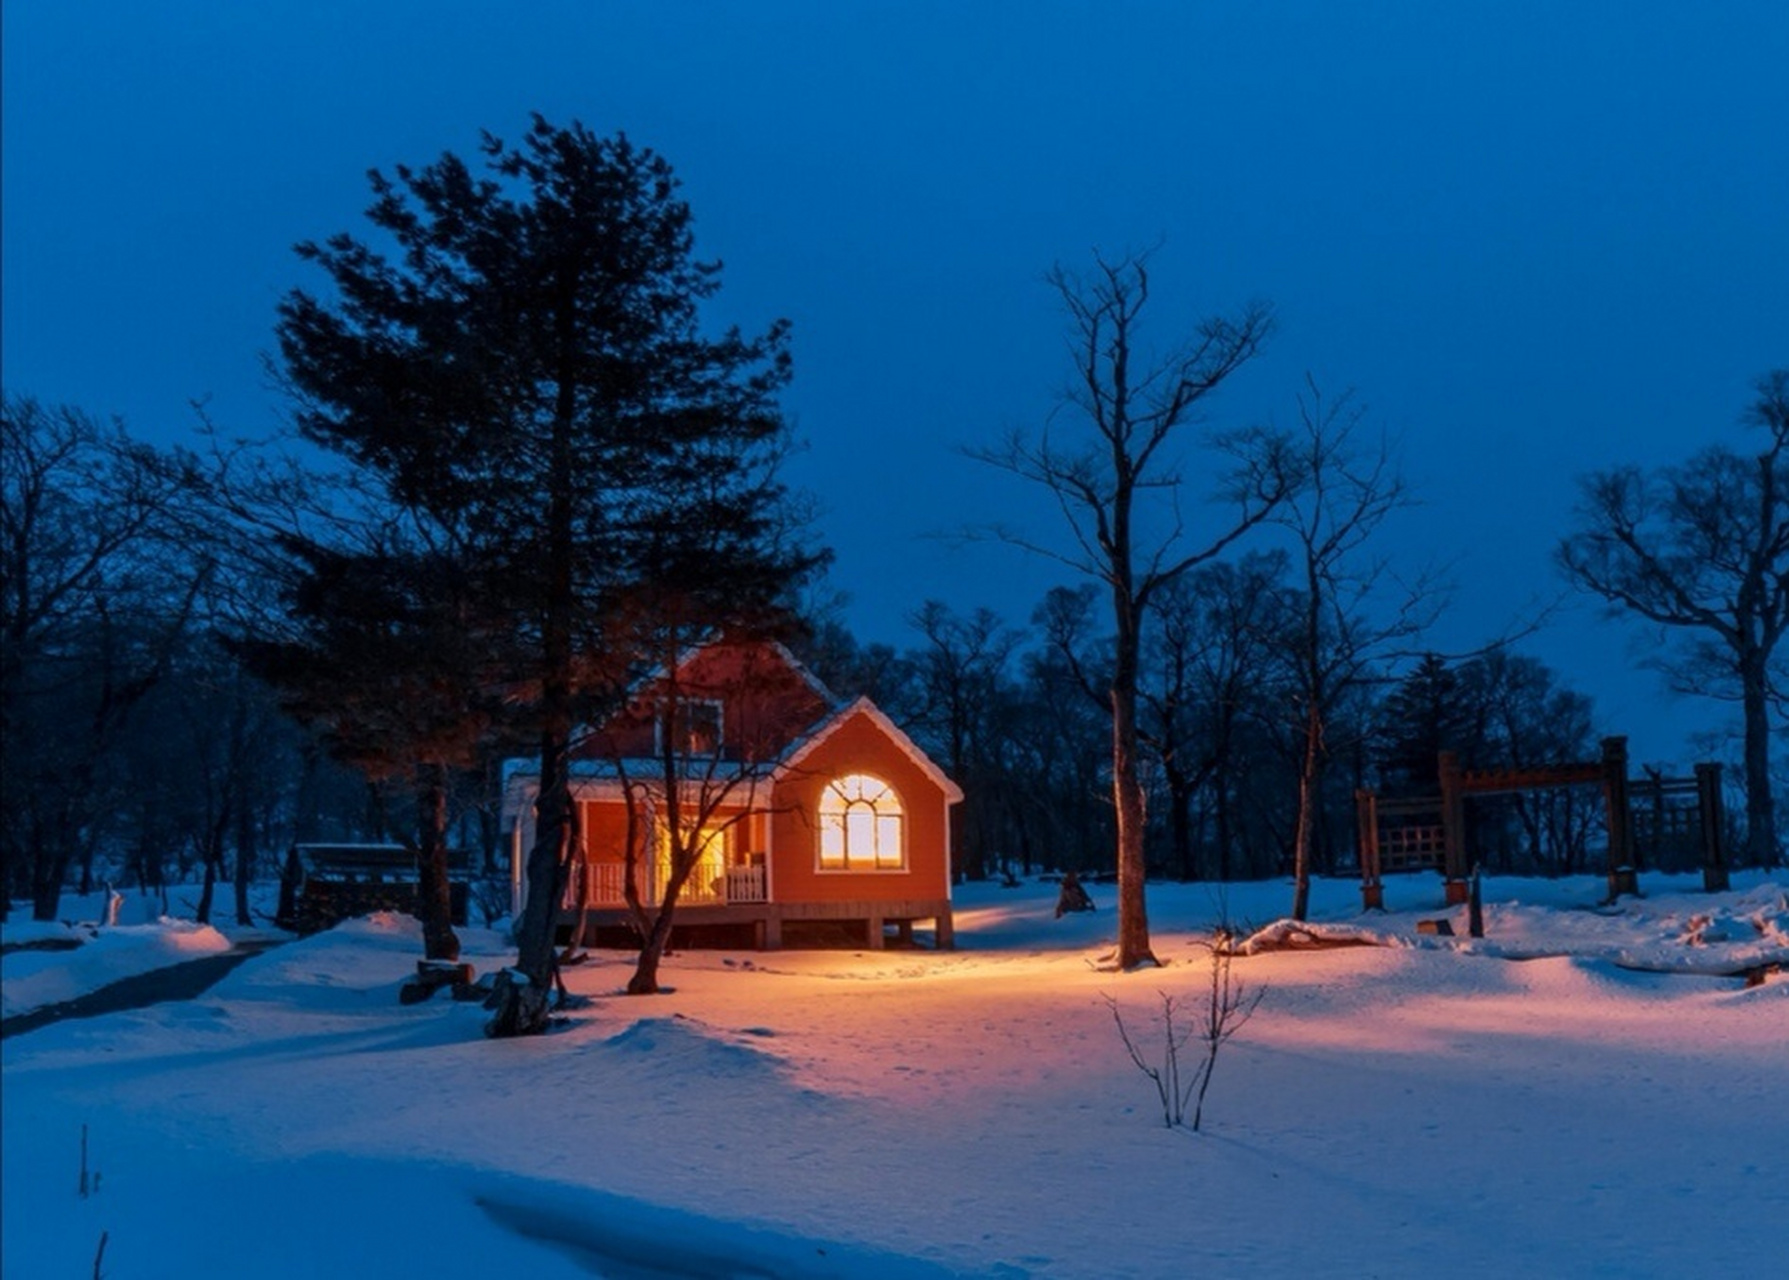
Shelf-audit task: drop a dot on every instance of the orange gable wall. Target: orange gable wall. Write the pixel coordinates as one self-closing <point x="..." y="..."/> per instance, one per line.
<point x="857" y="746"/>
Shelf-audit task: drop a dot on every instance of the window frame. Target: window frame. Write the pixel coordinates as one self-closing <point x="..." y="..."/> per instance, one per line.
<point x="681" y="713"/>
<point x="885" y="809"/>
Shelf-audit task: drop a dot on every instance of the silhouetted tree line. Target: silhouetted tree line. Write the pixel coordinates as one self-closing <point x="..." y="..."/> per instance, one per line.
<point x="1017" y="716"/>
<point x="139" y="745"/>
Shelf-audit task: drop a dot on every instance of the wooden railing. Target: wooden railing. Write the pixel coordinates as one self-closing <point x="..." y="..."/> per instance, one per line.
<point x="746" y="884"/>
<point x="731" y="885"/>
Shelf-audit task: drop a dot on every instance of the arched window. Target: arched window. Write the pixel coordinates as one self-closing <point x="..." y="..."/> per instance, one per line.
<point x="860" y="825"/>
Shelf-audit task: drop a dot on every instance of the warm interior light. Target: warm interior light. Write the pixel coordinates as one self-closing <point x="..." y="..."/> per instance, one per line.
<point x="860" y="825"/>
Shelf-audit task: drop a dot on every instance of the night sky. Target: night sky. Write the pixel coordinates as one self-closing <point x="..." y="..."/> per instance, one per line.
<point x="1537" y="238"/>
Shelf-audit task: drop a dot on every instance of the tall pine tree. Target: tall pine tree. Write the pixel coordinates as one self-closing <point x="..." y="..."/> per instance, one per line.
<point x="527" y="365"/>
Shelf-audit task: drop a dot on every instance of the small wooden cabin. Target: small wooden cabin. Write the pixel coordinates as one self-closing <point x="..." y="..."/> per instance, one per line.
<point x="820" y="820"/>
<point x="325" y="884"/>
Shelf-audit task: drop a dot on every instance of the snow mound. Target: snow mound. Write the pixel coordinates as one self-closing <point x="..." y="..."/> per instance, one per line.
<point x="691" y="1050"/>
<point x="1298" y="935"/>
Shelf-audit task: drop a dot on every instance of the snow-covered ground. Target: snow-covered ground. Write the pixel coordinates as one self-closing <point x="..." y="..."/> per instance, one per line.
<point x="1541" y="1102"/>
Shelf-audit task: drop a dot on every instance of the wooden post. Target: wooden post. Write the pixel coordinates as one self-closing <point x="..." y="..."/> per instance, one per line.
<point x="1453" y="825"/>
<point x="1714" y="826"/>
<point x="944" y="931"/>
<point x="1366" y="836"/>
<point x="1622" y="877"/>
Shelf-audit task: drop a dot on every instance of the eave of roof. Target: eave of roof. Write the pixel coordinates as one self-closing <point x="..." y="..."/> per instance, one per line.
<point x="801" y="748"/>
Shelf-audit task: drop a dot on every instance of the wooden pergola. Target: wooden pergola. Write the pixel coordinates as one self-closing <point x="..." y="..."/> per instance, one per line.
<point x="1429" y="832"/>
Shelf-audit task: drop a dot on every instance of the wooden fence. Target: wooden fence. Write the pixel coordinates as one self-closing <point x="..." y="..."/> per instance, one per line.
<point x="1645" y="818"/>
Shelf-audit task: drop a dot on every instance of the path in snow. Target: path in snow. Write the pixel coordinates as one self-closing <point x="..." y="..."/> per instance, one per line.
<point x="181" y="981"/>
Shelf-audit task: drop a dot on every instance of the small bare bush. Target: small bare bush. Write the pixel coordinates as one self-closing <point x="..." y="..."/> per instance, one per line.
<point x="1227" y="1007"/>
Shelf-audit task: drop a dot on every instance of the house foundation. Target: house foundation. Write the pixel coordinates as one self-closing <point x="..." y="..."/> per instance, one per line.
<point x="771" y="926"/>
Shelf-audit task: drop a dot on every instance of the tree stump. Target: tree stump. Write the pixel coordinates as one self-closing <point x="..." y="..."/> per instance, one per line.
<point x="431" y="976"/>
<point x="1072" y="897"/>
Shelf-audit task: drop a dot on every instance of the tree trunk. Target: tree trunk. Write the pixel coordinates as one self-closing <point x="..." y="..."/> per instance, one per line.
<point x="208" y="887"/>
<point x="1128" y="803"/>
<point x="1180" y="823"/>
<point x="645" y="978"/>
<point x="1307" y="796"/>
<point x="434" y="891"/>
<point x="1221" y="816"/>
<point x="305" y="827"/>
<point x="578" y="879"/>
<point x="49" y="861"/>
<point x="522" y="1006"/>
<point x="489" y="837"/>
<point x="1761" y="830"/>
<point x="247" y="848"/>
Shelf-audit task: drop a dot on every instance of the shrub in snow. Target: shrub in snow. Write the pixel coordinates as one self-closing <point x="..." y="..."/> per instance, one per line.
<point x="1227" y="1007"/>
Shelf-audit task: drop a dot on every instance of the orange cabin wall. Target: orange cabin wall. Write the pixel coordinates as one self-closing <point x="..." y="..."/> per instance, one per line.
<point x="857" y="746"/>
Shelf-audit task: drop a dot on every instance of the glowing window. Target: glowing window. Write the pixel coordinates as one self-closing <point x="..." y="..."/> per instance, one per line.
<point x="860" y="825"/>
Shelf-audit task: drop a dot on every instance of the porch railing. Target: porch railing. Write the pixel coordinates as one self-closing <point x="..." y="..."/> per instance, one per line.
<point x="703" y="888"/>
<point x="746" y="884"/>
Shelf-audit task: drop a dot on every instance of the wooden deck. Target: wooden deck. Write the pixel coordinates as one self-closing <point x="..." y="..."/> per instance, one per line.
<point x="769" y="922"/>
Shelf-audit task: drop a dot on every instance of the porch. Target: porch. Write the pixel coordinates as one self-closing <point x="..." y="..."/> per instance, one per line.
<point x="707" y="886"/>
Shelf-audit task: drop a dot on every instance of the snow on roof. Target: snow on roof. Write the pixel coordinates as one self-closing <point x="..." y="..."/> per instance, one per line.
<point x="800" y="749"/>
<point x="782" y="651"/>
<point x="599" y="770"/>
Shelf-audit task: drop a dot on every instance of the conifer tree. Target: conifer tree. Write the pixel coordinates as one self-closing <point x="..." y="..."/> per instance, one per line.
<point x="527" y="366"/>
<point x="387" y="656"/>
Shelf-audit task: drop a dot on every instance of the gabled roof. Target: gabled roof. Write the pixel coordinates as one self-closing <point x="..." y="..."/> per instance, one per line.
<point x="598" y="770"/>
<point x="807" y="743"/>
<point x="815" y="685"/>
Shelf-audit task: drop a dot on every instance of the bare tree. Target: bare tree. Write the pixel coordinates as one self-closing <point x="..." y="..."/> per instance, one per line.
<point x="1702" y="549"/>
<point x="94" y="596"/>
<point x="1347" y="488"/>
<point x="1226" y="1010"/>
<point x="1117" y="483"/>
<point x="706" y="775"/>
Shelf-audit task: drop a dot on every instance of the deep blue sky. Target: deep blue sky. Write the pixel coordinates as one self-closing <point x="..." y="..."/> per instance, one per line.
<point x="1538" y="238"/>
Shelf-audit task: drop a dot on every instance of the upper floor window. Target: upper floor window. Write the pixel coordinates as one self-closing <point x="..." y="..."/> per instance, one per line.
<point x="860" y="825"/>
<point x="695" y="728"/>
